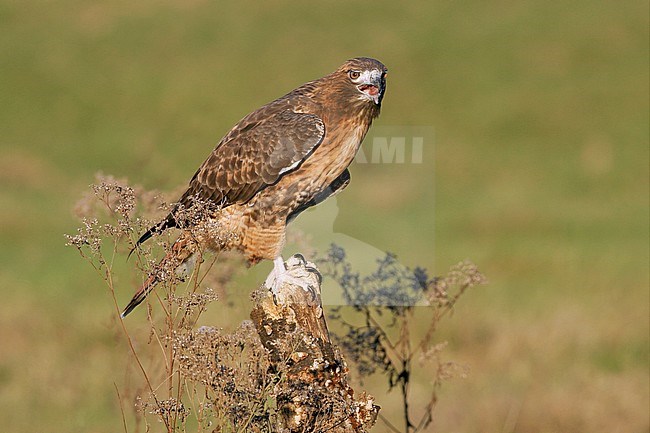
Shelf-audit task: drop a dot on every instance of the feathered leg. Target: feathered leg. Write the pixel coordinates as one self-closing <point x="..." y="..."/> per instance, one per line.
<point x="181" y="252"/>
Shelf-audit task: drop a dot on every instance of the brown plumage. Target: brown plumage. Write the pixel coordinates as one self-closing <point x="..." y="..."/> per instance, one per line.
<point x="289" y="155"/>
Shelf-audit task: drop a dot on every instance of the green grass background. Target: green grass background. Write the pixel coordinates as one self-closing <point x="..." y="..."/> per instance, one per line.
<point x="538" y="173"/>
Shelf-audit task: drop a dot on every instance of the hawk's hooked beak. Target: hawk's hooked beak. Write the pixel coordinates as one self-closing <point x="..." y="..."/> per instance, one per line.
<point x="373" y="85"/>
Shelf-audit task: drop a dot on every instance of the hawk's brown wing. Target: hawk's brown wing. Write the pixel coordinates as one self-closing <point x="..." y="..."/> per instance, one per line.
<point x="254" y="154"/>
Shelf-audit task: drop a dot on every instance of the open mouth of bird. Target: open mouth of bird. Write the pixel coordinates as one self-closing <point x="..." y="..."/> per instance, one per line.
<point x="369" y="90"/>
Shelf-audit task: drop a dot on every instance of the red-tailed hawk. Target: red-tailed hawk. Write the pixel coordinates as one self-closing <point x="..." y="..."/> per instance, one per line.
<point x="276" y="162"/>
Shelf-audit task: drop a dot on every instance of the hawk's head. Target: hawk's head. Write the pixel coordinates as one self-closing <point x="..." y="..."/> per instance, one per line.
<point x="363" y="79"/>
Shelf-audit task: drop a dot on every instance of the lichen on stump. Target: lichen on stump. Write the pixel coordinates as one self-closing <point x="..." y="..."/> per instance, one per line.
<point x="292" y="327"/>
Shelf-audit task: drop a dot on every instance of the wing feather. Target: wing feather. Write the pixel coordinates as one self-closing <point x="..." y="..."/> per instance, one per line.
<point x="254" y="155"/>
<point x="261" y="148"/>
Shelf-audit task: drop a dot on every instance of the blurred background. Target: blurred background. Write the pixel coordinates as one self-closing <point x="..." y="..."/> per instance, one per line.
<point x="537" y="171"/>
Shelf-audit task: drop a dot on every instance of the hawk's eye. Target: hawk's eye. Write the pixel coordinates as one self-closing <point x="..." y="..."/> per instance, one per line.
<point x="354" y="74"/>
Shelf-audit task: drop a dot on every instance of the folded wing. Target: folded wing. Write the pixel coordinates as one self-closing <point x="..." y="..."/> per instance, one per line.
<point x="256" y="153"/>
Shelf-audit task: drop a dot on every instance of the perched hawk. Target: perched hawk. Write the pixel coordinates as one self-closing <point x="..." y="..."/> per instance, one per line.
<point x="276" y="162"/>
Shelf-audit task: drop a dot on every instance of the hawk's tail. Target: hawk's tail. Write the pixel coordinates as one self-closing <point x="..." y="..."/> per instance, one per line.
<point x="180" y="253"/>
<point x="141" y="294"/>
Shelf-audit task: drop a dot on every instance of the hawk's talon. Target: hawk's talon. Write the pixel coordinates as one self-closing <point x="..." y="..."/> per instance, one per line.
<point x="302" y="259"/>
<point x="280" y="276"/>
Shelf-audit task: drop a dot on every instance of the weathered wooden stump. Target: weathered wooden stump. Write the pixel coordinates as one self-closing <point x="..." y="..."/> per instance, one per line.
<point x="292" y="327"/>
